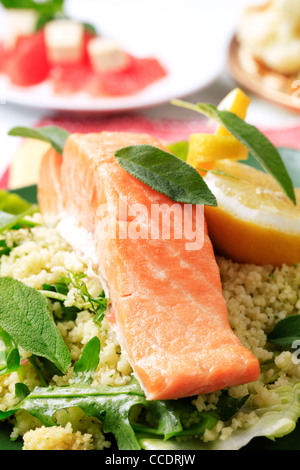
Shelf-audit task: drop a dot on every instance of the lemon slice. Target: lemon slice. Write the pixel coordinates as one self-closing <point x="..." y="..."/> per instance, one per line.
<point x="254" y="221"/>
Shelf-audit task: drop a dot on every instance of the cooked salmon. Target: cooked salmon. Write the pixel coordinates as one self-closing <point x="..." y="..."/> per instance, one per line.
<point x="169" y="311"/>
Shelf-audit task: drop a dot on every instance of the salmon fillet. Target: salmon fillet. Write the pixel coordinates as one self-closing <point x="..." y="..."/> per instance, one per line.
<point x="168" y="309"/>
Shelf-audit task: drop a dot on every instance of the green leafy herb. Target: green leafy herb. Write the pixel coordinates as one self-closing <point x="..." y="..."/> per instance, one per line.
<point x="88" y="363"/>
<point x="111" y="405"/>
<point x="286" y="331"/>
<point x="55" y="136"/>
<point x="166" y="174"/>
<point x="257" y="144"/>
<point x="10" y="221"/>
<point x="4" y="249"/>
<point x="9" y="354"/>
<point x="25" y="316"/>
<point x="227" y="406"/>
<point x="13" y="203"/>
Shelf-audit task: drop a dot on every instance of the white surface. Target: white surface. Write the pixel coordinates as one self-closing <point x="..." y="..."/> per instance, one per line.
<point x="217" y="21"/>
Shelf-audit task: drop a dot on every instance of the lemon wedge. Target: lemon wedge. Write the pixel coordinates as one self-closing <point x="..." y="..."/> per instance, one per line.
<point x="206" y="149"/>
<point x="209" y="148"/>
<point x="254" y="222"/>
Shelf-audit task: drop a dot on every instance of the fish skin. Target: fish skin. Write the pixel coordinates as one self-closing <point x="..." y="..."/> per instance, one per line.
<point x="168" y="308"/>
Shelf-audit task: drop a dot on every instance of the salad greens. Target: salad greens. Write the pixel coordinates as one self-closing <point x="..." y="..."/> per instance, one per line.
<point x="59" y="292"/>
<point x="286" y="331"/>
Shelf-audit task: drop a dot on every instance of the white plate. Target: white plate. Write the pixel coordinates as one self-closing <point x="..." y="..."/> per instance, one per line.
<point x="162" y="29"/>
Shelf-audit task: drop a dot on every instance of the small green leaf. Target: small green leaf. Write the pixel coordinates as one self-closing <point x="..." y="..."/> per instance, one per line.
<point x="166" y="174"/>
<point x="25" y="316"/>
<point x="10" y="221"/>
<point x="227" y="406"/>
<point x="286" y="331"/>
<point x="13" y="203"/>
<point x="88" y="362"/>
<point x="256" y="142"/>
<point x="9" y="354"/>
<point x="55" y="136"/>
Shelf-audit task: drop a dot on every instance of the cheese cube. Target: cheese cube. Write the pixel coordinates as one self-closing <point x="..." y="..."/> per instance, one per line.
<point x="64" y="41"/>
<point x="106" y="54"/>
<point x="18" y="23"/>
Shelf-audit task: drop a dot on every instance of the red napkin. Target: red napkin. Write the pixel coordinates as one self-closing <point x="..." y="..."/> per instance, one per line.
<point x="167" y="130"/>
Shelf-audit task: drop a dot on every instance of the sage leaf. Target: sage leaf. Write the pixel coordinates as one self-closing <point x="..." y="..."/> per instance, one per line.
<point x="25" y="316"/>
<point x="256" y="142"/>
<point x="286" y="331"/>
<point x="166" y="174"/>
<point x="55" y="136"/>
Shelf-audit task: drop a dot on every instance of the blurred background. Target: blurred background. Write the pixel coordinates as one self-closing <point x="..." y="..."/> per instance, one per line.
<point x="193" y="35"/>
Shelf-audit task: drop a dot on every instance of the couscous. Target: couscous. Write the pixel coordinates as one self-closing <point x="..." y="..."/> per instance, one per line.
<point x="257" y="298"/>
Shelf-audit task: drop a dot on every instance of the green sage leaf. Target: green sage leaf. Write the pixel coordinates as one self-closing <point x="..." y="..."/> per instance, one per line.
<point x="25" y="316"/>
<point x="256" y="142"/>
<point x="55" y="136"/>
<point x="166" y="174"/>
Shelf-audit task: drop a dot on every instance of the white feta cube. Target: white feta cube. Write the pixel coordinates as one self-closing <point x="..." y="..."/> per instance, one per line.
<point x="106" y="54"/>
<point x="64" y="41"/>
<point x="18" y="23"/>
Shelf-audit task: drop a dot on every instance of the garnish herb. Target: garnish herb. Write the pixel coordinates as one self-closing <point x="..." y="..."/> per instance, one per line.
<point x="227" y="406"/>
<point x="25" y="316"/>
<point x="55" y="136"/>
<point x="13" y="210"/>
<point x="166" y="174"/>
<point x="59" y="292"/>
<point x="9" y="354"/>
<point x="112" y="406"/>
<point x="286" y="331"/>
<point x="257" y="144"/>
<point x="85" y="367"/>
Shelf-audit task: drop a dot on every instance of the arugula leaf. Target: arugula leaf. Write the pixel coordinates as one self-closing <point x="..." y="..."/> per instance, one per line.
<point x="25" y="316"/>
<point x="227" y="406"/>
<point x="85" y="367"/>
<point x="257" y="144"/>
<point x="286" y="331"/>
<point x="111" y="405"/>
<point x="166" y="174"/>
<point x="55" y="136"/>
